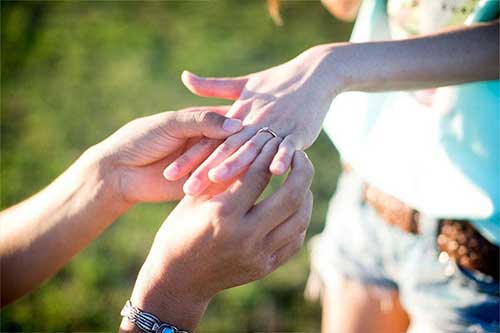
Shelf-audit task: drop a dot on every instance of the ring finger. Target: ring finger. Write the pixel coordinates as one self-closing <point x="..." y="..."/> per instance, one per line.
<point x="238" y="161"/>
<point x="199" y="180"/>
<point x="191" y="158"/>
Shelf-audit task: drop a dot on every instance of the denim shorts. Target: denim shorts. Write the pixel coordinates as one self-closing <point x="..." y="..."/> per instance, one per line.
<point x="438" y="295"/>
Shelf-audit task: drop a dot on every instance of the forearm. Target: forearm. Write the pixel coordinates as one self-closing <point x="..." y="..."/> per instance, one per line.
<point x="159" y="294"/>
<point x="446" y="58"/>
<point x="44" y="232"/>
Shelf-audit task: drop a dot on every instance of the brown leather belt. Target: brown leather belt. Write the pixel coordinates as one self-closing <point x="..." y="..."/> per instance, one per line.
<point x="458" y="238"/>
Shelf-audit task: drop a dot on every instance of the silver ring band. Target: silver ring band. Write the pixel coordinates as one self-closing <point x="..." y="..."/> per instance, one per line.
<point x="268" y="130"/>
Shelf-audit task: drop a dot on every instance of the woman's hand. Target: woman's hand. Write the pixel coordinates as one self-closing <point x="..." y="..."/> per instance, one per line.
<point x="223" y="239"/>
<point x="138" y="152"/>
<point x="292" y="99"/>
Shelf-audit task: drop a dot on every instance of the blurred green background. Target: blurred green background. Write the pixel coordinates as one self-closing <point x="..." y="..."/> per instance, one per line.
<point x="73" y="72"/>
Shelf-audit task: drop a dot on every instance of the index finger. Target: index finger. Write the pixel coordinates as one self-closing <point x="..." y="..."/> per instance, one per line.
<point x="289" y="197"/>
<point x="241" y="196"/>
<point x="204" y="122"/>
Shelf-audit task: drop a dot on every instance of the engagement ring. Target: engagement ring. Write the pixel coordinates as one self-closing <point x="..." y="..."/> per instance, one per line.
<point x="268" y="130"/>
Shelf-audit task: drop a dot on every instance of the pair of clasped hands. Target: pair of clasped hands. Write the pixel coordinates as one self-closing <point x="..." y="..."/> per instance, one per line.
<point x="223" y="166"/>
<point x="219" y="235"/>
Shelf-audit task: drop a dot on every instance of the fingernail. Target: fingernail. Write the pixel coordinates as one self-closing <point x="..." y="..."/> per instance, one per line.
<point x="232" y="125"/>
<point x="171" y="171"/>
<point x="192" y="186"/>
<point x="279" y="167"/>
<point x="219" y="173"/>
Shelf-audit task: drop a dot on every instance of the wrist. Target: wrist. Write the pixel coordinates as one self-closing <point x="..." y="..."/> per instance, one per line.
<point x="101" y="174"/>
<point x="361" y="66"/>
<point x="337" y="66"/>
<point x="157" y="293"/>
<point x="328" y="62"/>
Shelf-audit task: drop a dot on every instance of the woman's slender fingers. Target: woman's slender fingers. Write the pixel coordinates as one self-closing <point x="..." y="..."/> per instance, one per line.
<point x="220" y="109"/>
<point x="190" y="159"/>
<point x="240" y="160"/>
<point x="228" y="88"/>
<point x="291" y="227"/>
<point x="283" y="157"/>
<point x="199" y="180"/>
<point x="239" y="109"/>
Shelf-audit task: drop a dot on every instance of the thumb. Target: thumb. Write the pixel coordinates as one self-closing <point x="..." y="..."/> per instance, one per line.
<point x="188" y="124"/>
<point x="228" y="88"/>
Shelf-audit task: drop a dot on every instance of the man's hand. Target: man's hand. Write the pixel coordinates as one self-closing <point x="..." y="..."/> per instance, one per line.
<point x="223" y="239"/>
<point x="43" y="233"/>
<point x="137" y="153"/>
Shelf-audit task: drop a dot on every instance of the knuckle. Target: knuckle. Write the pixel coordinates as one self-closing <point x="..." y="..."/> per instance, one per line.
<point x="274" y="262"/>
<point x="274" y="142"/>
<point x="259" y="177"/>
<point x="212" y="118"/>
<point x="294" y="200"/>
<point x="226" y="148"/>
<point x="264" y="266"/>
<point x="258" y="169"/>
<point x="218" y="232"/>
<point x="283" y="157"/>
<point x="232" y="165"/>
<point x="223" y="234"/>
<point x="179" y="117"/>
<point x="223" y="211"/>
<point x="251" y="146"/>
<point x="202" y="117"/>
<point x="207" y="143"/>
<point x="305" y="169"/>
<point x="300" y="183"/>
<point x="288" y="146"/>
<point x="183" y="161"/>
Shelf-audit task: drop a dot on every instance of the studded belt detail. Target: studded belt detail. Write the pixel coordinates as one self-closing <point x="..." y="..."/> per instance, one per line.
<point x="457" y="238"/>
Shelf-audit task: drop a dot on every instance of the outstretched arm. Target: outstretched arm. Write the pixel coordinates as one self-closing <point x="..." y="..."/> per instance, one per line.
<point x="41" y="234"/>
<point x="450" y="57"/>
<point x="293" y="98"/>
<point x="44" y="232"/>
